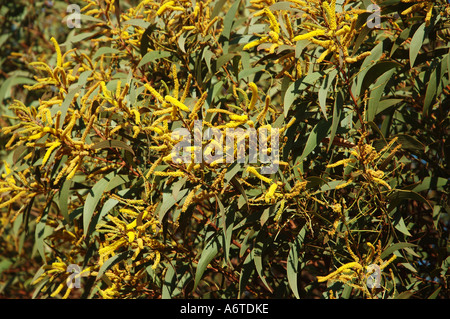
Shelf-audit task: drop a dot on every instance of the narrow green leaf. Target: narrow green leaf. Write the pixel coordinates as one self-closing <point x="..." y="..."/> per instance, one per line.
<point x="293" y="261"/>
<point x="106" y="184"/>
<point x="324" y="90"/>
<point x="106" y="51"/>
<point x="66" y="103"/>
<point x="338" y="109"/>
<point x="246" y="272"/>
<point x="401" y="226"/>
<point x="169" y="201"/>
<point x="210" y="251"/>
<point x="257" y="253"/>
<point x="229" y="19"/>
<point x="416" y="43"/>
<point x="152" y="56"/>
<point x="63" y="200"/>
<point x="390" y="250"/>
<point x="376" y="94"/>
<point x="112" y="144"/>
<point x="295" y="90"/>
<point x="319" y="132"/>
<point x="111" y="262"/>
<point x="137" y="23"/>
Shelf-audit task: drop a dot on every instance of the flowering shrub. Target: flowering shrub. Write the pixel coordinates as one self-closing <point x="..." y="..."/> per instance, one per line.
<point x="229" y="149"/>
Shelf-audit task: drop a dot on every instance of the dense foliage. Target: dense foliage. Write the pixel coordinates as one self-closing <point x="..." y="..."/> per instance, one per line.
<point x="93" y="103"/>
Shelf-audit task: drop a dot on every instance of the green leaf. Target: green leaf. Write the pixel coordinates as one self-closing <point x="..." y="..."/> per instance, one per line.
<point x="152" y="56"/>
<point x="416" y="43"/>
<point x="10" y="82"/>
<point x="250" y="71"/>
<point x="169" y="200"/>
<point x="296" y="88"/>
<point x="324" y="90"/>
<point x="376" y="93"/>
<point x="209" y="252"/>
<point x="319" y="132"/>
<point x="169" y="282"/>
<point x="401" y="226"/>
<point x="337" y="114"/>
<point x="390" y="250"/>
<point x="375" y="71"/>
<point x="229" y="19"/>
<point x="435" y="293"/>
<point x="111" y="262"/>
<point x="257" y="253"/>
<point x="430" y="93"/>
<point x="106" y="51"/>
<point x="246" y="272"/>
<point x="63" y="200"/>
<point x="106" y="184"/>
<point x="137" y="23"/>
<point x="293" y="261"/>
<point x="112" y="144"/>
<point x="431" y="183"/>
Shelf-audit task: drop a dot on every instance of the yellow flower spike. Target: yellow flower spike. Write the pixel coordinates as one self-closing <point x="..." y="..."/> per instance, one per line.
<point x="164" y="7"/>
<point x="341" y="162"/>
<point x="66" y="295"/>
<point x="263" y="113"/>
<point x="331" y="14"/>
<point x="76" y="162"/>
<point x="288" y="125"/>
<point x="136" y="130"/>
<point x="384" y="265"/>
<point x="137" y="116"/>
<point x="358" y="58"/>
<point x="49" y="152"/>
<point x="176" y="8"/>
<point x="58" y="290"/>
<point x="13" y="199"/>
<point x="208" y="26"/>
<point x="176" y="103"/>
<point x="175" y="81"/>
<point x="274" y="36"/>
<point x="288" y="25"/>
<point x="270" y="193"/>
<point x="345" y="29"/>
<point x="323" y="55"/>
<point x="186" y="90"/>
<point x="58" y="52"/>
<point x="88" y="127"/>
<point x="131" y="236"/>
<point x="382" y="182"/>
<point x="308" y="35"/>
<point x="171" y="174"/>
<point x="254" y="98"/>
<point x="344" y="184"/>
<point x="36" y="136"/>
<point x="157" y="260"/>
<point x="339" y="270"/>
<point x="253" y="171"/>
<point x="239" y="118"/>
<point x="371" y="253"/>
<point x="429" y="14"/>
<point x="272" y="20"/>
<point x="255" y="43"/>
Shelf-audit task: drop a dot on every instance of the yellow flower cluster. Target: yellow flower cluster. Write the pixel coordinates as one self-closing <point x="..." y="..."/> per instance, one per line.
<point x="359" y="274"/>
<point x="419" y="5"/>
<point x="337" y="33"/>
